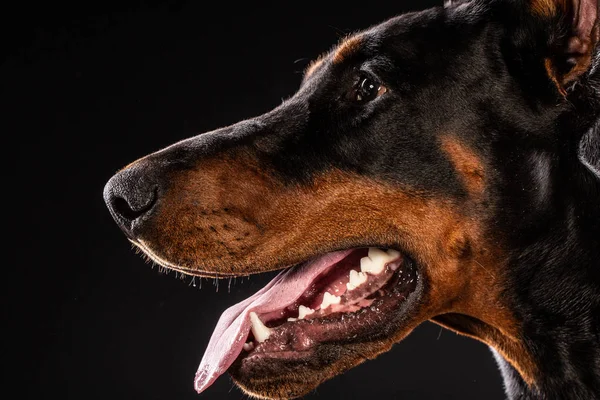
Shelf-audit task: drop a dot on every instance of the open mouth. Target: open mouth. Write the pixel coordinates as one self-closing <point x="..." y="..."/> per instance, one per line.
<point x="341" y="297"/>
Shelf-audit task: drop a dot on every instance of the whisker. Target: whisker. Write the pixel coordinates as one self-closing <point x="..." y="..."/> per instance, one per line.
<point x="486" y="270"/>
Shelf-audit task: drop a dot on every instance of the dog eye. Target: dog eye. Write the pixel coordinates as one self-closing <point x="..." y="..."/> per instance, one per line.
<point x="367" y="89"/>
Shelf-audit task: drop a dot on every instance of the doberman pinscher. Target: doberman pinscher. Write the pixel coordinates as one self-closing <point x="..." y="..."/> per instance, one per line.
<point x="443" y="165"/>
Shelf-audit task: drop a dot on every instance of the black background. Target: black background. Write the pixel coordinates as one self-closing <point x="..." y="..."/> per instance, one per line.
<point x="88" y="88"/>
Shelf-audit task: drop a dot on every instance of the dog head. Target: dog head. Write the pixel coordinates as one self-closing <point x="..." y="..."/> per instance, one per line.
<point x="428" y="150"/>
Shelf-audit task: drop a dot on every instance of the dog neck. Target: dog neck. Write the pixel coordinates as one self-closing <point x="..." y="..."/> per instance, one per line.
<point x="556" y="292"/>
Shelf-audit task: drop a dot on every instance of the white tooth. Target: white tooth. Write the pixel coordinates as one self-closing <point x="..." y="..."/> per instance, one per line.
<point x="374" y="252"/>
<point x="259" y="330"/>
<point x="378" y="260"/>
<point x="329" y="299"/>
<point x="248" y="346"/>
<point x="367" y="265"/>
<point x="378" y="256"/>
<point x="304" y="311"/>
<point x="356" y="279"/>
<point x="292" y="319"/>
<point x="393" y="254"/>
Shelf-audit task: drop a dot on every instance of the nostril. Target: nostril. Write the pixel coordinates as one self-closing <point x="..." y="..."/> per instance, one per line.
<point x="125" y="210"/>
<point x="122" y="208"/>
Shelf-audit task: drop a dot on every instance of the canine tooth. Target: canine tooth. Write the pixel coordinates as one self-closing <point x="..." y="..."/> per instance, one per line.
<point x="248" y="346"/>
<point x="356" y="279"/>
<point x="259" y="330"/>
<point x="304" y="311"/>
<point x="329" y="299"/>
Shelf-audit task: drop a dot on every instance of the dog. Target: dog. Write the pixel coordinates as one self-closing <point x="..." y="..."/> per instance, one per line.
<point x="442" y="165"/>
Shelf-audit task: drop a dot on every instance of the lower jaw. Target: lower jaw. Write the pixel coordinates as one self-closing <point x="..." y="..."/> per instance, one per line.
<point x="300" y="365"/>
<point x="298" y="341"/>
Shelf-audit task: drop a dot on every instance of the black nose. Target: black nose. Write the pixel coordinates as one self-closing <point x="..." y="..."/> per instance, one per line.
<point x="130" y="196"/>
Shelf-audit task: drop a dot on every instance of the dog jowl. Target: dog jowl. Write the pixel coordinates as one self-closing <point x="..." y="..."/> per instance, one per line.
<point x="442" y="166"/>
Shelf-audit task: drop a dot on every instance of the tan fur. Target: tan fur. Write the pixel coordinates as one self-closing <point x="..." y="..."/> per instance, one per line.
<point x="548" y="8"/>
<point x="313" y="66"/>
<point x="230" y="216"/>
<point x="579" y="47"/>
<point x="467" y="164"/>
<point x="348" y="47"/>
<point x="554" y="77"/>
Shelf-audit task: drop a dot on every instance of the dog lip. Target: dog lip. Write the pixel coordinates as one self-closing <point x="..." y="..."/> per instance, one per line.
<point x="147" y="249"/>
<point x="229" y="336"/>
<point x="382" y="293"/>
<point x="296" y="352"/>
<point x="286" y="290"/>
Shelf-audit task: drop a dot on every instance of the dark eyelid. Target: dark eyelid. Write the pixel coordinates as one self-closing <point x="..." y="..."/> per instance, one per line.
<point x="366" y="72"/>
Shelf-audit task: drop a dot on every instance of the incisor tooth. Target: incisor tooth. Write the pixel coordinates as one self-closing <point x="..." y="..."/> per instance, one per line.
<point x="304" y="311"/>
<point x="356" y="279"/>
<point x="259" y="330"/>
<point x="329" y="299"/>
<point x="248" y="346"/>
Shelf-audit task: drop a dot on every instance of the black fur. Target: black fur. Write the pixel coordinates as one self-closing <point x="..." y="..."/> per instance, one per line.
<point x="475" y="70"/>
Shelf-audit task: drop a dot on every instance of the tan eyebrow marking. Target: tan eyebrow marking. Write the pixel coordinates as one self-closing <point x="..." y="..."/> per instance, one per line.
<point x="314" y="64"/>
<point x="347" y="48"/>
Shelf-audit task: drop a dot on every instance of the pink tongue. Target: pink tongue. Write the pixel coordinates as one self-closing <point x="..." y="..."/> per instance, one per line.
<point x="230" y="334"/>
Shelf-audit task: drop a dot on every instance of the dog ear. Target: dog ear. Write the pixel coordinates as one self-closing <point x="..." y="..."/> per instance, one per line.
<point x="573" y="35"/>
